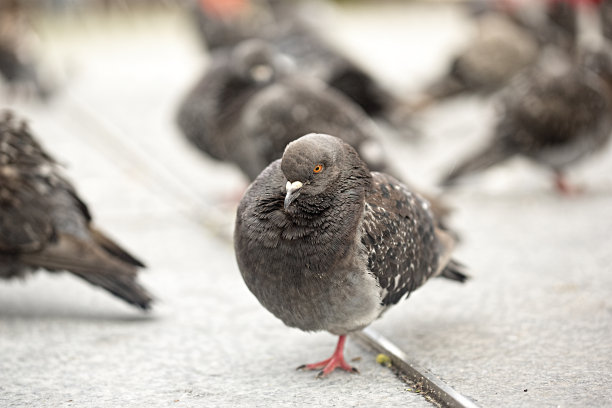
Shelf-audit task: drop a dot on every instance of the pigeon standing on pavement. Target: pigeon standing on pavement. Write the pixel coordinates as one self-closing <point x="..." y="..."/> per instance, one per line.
<point x="325" y="244"/>
<point x="553" y="115"/>
<point x="499" y="52"/>
<point x="211" y="112"/>
<point x="509" y="40"/>
<point x="282" y="24"/>
<point x="44" y="224"/>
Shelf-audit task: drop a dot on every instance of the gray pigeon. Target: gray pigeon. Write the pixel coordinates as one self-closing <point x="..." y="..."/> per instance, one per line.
<point x="509" y="40"/>
<point x="250" y="105"/>
<point x="553" y="115"/>
<point x="18" y="65"/>
<point x="44" y="224"/>
<point x="211" y="109"/>
<point x="500" y="51"/>
<point x="282" y="24"/>
<point x="325" y="244"/>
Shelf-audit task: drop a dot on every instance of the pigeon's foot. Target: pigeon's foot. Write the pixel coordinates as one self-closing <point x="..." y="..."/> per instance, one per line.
<point x="335" y="361"/>
<point x="564" y="187"/>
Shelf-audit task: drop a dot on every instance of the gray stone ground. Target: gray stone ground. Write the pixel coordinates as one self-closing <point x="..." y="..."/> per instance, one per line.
<point x="532" y="328"/>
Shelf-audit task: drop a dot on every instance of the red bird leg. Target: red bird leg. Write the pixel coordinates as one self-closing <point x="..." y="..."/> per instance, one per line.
<point x="335" y="361"/>
<point x="563" y="186"/>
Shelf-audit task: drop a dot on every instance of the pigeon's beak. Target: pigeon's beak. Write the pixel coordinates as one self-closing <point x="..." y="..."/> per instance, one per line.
<point x="293" y="191"/>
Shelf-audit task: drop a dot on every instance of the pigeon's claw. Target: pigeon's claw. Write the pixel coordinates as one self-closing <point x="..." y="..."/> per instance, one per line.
<point x="330" y="364"/>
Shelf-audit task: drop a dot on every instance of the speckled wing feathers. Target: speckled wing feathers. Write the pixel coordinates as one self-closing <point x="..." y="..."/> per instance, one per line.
<point x="399" y="237"/>
<point x="24" y="220"/>
<point x="24" y="223"/>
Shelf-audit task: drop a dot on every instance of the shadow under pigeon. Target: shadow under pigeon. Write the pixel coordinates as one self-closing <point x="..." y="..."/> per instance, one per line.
<point x="10" y="310"/>
<point x="60" y="296"/>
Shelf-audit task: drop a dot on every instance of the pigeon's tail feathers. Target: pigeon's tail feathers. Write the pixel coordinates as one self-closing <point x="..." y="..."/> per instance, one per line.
<point x="488" y="157"/>
<point x="93" y="264"/>
<point x="439" y="207"/>
<point x="446" y="244"/>
<point x="114" y="249"/>
<point x="446" y="87"/>
<point x="455" y="271"/>
<point x="448" y="267"/>
<point x="121" y="286"/>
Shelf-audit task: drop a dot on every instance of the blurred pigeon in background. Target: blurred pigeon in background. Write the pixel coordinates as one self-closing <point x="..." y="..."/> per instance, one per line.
<point x="211" y="112"/>
<point x="287" y="25"/>
<point x="510" y="38"/>
<point x="251" y="103"/>
<point x="552" y="114"/>
<point x="499" y="52"/>
<point x="18" y="65"/>
<point x="325" y="244"/>
<point x="44" y="224"/>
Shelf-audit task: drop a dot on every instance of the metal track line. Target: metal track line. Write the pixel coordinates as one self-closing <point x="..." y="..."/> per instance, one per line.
<point x="437" y="389"/>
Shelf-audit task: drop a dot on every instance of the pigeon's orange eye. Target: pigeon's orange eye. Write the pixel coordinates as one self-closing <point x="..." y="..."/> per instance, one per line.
<point x="317" y="168"/>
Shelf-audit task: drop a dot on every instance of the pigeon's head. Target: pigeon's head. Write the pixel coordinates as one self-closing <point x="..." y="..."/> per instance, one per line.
<point x="255" y="61"/>
<point x="317" y="165"/>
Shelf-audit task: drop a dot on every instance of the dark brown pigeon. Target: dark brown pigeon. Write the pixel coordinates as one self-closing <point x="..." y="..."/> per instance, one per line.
<point x="552" y="115"/>
<point x="44" y="224"/>
<point x="325" y="244"/>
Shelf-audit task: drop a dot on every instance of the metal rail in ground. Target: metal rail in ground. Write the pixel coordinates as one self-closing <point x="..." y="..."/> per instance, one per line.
<point x="436" y="389"/>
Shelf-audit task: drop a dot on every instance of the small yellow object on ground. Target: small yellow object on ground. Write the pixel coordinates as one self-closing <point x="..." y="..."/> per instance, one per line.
<point x="383" y="360"/>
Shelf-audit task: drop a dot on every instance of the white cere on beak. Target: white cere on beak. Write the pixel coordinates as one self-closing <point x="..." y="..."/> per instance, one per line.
<point x="296" y="185"/>
<point x="293" y="191"/>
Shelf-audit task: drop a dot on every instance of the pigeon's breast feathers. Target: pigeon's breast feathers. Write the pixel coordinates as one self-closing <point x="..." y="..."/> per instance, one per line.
<point x="307" y="207"/>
